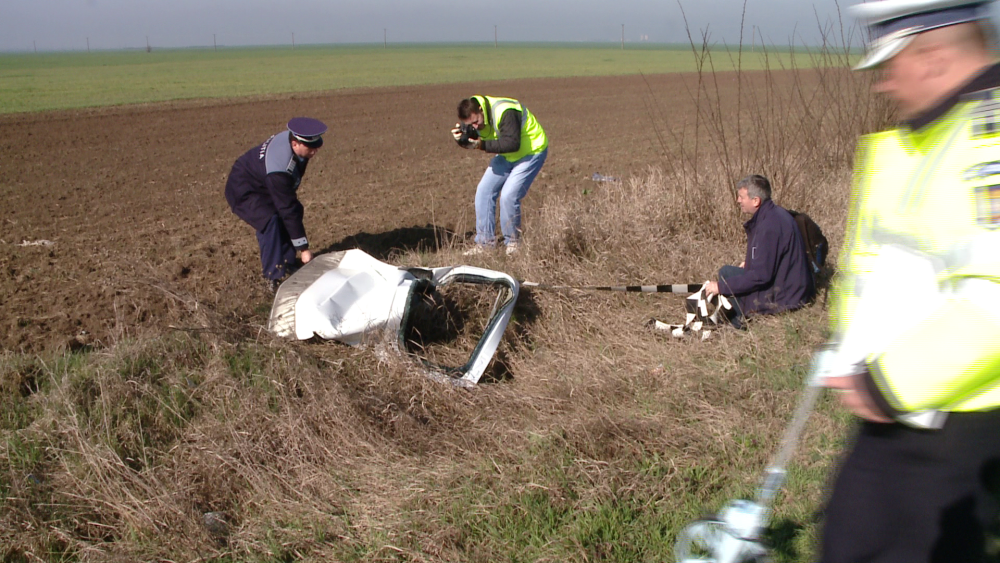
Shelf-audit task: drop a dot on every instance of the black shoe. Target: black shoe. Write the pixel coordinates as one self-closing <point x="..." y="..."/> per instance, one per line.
<point x="271" y="286"/>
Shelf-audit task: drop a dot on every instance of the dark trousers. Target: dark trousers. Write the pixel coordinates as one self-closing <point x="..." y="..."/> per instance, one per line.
<point x="735" y="315"/>
<point x="912" y="496"/>
<point x="277" y="255"/>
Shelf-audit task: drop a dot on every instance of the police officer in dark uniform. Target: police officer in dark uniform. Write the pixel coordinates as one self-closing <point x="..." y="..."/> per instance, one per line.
<point x="261" y="190"/>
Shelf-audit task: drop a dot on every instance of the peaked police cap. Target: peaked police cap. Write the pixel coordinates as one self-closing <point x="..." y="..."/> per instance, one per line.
<point x="307" y="130"/>
<point x="892" y="24"/>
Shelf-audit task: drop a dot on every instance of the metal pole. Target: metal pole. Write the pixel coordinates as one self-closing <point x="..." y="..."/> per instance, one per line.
<point x="623" y="37"/>
<point x="35" y="45"/>
<point x="385" y="38"/>
<point x="494" y="37"/>
<point x="661" y="288"/>
<point x="293" y="40"/>
<point x="214" y="44"/>
<point x="88" y="44"/>
<point x="148" y="48"/>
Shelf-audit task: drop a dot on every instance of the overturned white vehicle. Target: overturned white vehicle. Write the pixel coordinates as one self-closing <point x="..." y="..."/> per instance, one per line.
<point x="351" y="297"/>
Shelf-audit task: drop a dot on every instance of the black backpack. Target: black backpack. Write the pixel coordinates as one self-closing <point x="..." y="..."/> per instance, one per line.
<point x="817" y="246"/>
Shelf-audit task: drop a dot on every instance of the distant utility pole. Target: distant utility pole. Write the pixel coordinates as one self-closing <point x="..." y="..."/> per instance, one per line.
<point x="623" y="37"/>
<point x="385" y="38"/>
<point x="214" y="44"/>
<point x="35" y="45"/>
<point x="494" y="37"/>
<point x="88" y="44"/>
<point x="293" y="40"/>
<point x="148" y="48"/>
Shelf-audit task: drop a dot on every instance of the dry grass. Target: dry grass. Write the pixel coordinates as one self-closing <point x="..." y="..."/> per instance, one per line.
<point x="596" y="440"/>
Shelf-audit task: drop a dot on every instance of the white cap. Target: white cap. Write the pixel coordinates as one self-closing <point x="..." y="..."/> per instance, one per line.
<point x="893" y="23"/>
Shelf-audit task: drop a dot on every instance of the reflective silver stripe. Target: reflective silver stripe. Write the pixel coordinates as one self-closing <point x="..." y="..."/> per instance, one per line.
<point x="982" y="249"/>
<point x="927" y="420"/>
<point x="882" y="236"/>
<point x="524" y="118"/>
<point x="297" y="242"/>
<point x="505" y="103"/>
<point x="981" y="291"/>
<point x="895" y="245"/>
<point x="859" y="285"/>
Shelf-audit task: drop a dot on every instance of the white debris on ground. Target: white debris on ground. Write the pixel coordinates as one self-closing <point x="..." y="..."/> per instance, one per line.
<point x="353" y="298"/>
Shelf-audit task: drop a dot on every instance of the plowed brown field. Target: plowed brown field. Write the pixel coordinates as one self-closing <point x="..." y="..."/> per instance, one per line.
<point x="131" y="198"/>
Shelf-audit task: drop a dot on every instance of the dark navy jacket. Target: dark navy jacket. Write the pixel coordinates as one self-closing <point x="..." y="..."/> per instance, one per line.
<point x="776" y="276"/>
<point x="263" y="183"/>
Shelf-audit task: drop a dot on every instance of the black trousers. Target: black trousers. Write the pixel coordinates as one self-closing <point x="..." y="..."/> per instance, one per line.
<point x="277" y="255"/>
<point x="909" y="496"/>
<point x="735" y="315"/>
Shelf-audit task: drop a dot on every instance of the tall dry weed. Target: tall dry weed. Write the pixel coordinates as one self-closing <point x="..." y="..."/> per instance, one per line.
<point x="797" y="125"/>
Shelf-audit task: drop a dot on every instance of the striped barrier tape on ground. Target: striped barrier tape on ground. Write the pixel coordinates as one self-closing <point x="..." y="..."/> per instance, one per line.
<point x="670" y="288"/>
<point x="701" y="309"/>
<point x="703" y="314"/>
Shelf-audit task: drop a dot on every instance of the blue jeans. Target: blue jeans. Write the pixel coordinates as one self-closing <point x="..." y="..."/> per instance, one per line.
<point x="277" y="255"/>
<point x="508" y="182"/>
<point x="735" y="315"/>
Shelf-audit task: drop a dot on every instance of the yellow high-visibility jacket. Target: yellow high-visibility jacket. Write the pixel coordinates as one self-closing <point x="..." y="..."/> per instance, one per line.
<point x="935" y="191"/>
<point x="533" y="139"/>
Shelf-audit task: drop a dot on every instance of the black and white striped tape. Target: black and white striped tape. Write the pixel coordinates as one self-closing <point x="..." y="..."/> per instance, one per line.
<point x="667" y="288"/>
<point x="704" y="312"/>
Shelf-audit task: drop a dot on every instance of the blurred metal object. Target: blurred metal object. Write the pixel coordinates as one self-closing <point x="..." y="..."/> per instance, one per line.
<point x="735" y="535"/>
<point x="215" y="523"/>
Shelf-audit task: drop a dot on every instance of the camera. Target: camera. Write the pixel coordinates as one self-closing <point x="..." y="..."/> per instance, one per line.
<point x="469" y="131"/>
<point x="468" y="134"/>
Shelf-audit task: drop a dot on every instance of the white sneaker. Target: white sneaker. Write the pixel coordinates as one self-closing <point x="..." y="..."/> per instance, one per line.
<point x="512" y="248"/>
<point x="476" y="250"/>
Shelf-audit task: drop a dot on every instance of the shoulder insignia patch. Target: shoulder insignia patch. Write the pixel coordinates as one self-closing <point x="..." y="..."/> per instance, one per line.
<point x="982" y="170"/>
<point x="263" y="147"/>
<point x="986" y="118"/>
<point x="291" y="166"/>
<point x="988" y="206"/>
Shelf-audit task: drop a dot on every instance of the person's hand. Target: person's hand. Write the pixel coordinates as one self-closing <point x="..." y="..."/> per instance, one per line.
<point x="711" y="288"/>
<point x="307" y="255"/>
<point x="457" y="132"/>
<point x="743" y="264"/>
<point x="853" y="393"/>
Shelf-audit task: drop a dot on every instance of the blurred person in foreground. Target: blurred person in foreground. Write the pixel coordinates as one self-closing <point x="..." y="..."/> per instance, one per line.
<point x="262" y="190"/>
<point x="505" y="127"/>
<point x="916" y="316"/>
<point x="775" y="276"/>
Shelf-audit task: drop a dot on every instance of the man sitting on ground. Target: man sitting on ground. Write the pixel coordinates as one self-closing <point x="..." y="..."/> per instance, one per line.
<point x="775" y="276"/>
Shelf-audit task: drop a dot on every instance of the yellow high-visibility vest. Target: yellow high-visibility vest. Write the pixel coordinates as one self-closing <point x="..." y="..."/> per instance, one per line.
<point x="935" y="192"/>
<point x="533" y="140"/>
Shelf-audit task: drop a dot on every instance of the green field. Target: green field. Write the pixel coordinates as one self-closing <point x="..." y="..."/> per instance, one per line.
<point x="46" y="81"/>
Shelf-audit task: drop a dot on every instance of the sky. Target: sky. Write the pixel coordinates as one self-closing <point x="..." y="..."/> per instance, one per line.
<point x="59" y="25"/>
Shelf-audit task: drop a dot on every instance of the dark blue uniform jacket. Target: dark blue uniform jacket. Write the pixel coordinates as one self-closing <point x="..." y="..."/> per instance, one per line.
<point x="263" y="183"/>
<point x="776" y="276"/>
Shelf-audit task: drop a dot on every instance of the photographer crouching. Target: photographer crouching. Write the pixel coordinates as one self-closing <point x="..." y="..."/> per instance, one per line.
<point x="505" y="127"/>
